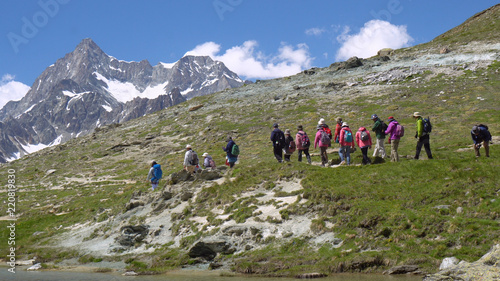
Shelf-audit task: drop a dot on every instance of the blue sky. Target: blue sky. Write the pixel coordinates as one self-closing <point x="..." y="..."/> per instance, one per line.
<point x="258" y="39"/>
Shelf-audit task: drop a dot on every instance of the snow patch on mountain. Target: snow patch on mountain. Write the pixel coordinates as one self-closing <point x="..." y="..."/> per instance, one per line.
<point x="126" y="91"/>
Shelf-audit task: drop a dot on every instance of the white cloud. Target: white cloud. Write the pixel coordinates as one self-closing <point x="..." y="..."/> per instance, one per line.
<point x="246" y="61"/>
<point x="315" y="31"/>
<point x="374" y="36"/>
<point x="11" y="90"/>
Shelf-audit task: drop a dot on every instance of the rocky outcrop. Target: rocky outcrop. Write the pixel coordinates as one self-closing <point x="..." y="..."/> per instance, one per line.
<point x="486" y="268"/>
<point x="132" y="234"/>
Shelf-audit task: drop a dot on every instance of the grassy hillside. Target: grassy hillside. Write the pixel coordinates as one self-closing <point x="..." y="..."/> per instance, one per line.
<point x="412" y="212"/>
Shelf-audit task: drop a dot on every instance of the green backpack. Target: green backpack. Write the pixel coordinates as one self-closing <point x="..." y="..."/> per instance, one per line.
<point x="235" y="150"/>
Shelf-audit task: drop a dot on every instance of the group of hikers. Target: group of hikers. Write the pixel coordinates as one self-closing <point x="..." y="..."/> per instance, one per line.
<point x="191" y="162"/>
<point x="284" y="144"/>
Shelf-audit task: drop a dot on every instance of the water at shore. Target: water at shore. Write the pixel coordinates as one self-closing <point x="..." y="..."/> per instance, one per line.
<point x="191" y="276"/>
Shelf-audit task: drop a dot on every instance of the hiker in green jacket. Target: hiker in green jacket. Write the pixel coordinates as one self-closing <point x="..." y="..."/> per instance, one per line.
<point x="379" y="129"/>
<point x="422" y="137"/>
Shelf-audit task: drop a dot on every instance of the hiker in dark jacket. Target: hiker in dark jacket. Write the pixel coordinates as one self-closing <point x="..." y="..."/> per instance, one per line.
<point x="481" y="135"/>
<point x="278" y="140"/>
<point x="231" y="159"/>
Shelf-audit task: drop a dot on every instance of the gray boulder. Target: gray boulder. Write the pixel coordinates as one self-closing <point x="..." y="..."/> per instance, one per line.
<point x="209" y="248"/>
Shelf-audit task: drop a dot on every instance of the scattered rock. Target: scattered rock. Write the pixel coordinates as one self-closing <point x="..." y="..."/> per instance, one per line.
<point x="50" y="172"/>
<point x="134" y="204"/>
<point x="185" y="196"/>
<point x="194" y="108"/>
<point x="35" y="267"/>
<point x="208" y="175"/>
<point x="448" y="262"/>
<point x="178" y="177"/>
<point x="130" y="273"/>
<point x="309" y="72"/>
<point x="236" y="230"/>
<point x="444" y="50"/>
<point x="385" y="52"/>
<point x="209" y="248"/>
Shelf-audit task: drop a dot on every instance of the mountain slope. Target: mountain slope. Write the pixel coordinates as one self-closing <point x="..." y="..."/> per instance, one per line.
<point x="281" y="219"/>
<point x="88" y="88"/>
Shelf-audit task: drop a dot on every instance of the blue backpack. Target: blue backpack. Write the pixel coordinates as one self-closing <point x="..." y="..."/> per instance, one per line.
<point x="347" y="136"/>
<point x="427" y="125"/>
<point x="157" y="172"/>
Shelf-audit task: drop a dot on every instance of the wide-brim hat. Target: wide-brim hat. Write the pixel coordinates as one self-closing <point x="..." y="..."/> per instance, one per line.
<point x="417" y="114"/>
<point x="188" y="146"/>
<point x="321" y="121"/>
<point x="344" y="124"/>
<point x="205" y="154"/>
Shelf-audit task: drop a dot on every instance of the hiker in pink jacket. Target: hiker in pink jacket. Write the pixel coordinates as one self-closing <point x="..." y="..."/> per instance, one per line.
<point x="364" y="141"/>
<point x="346" y="141"/>
<point x="393" y="139"/>
<point x="323" y="141"/>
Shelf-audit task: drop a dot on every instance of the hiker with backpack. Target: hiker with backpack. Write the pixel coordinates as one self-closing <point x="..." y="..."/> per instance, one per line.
<point x="346" y="141"/>
<point x="278" y="140"/>
<point x="303" y="144"/>
<point x="190" y="160"/>
<point x="208" y="161"/>
<point x="290" y="145"/>
<point x="379" y="127"/>
<point x="396" y="131"/>
<point x="232" y="151"/>
<point x="364" y="141"/>
<point x="424" y="128"/>
<point x="323" y="141"/>
<point x="325" y="127"/>
<point x="154" y="175"/>
<point x="481" y="136"/>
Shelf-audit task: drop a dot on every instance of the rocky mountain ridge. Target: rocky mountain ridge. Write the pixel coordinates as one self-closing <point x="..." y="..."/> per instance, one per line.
<point x="88" y="88"/>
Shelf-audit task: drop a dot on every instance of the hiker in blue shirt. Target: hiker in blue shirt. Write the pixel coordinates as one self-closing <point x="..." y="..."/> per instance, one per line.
<point x="154" y="175"/>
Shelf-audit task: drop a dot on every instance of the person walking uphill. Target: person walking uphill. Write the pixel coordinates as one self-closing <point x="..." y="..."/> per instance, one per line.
<point x="154" y="175"/>
<point x="422" y="136"/>
<point x="346" y="141"/>
<point x="232" y="151"/>
<point x="379" y="128"/>
<point x="481" y="135"/>
<point x="394" y="130"/>
<point x="190" y="160"/>
<point x="338" y="127"/>
<point x="364" y="141"/>
<point x="303" y="144"/>
<point x="323" y="141"/>
<point x="278" y="140"/>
